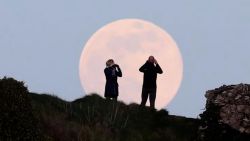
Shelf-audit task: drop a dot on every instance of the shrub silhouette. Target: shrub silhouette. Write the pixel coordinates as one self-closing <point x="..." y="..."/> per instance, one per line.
<point x="31" y="116"/>
<point x="16" y="118"/>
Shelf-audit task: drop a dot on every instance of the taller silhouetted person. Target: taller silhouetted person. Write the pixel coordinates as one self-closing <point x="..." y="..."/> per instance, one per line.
<point x="112" y="71"/>
<point x="150" y="70"/>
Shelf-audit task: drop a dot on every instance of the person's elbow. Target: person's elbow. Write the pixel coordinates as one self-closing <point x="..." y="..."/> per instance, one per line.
<point x="119" y="74"/>
<point x="142" y="69"/>
<point x="160" y="72"/>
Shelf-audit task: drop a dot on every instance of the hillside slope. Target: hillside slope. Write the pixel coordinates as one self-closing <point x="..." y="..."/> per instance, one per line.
<point x="94" y="118"/>
<point x="43" y="117"/>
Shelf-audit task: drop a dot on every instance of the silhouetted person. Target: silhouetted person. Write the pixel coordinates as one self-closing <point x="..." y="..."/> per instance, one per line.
<point x="112" y="71"/>
<point x="150" y="70"/>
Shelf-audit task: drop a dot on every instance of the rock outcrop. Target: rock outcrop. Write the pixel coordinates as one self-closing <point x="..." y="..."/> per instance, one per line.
<point x="234" y="103"/>
<point x="227" y="114"/>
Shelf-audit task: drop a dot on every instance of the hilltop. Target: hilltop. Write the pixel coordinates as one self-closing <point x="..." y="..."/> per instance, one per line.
<point x="32" y="116"/>
<point x="94" y="118"/>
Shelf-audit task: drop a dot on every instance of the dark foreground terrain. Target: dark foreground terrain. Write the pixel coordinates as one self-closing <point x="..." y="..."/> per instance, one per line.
<point x="31" y="116"/>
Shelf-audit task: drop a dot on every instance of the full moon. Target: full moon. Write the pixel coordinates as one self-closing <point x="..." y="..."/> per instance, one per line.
<point x="129" y="42"/>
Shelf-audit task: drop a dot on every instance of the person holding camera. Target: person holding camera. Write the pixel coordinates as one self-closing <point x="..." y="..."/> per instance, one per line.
<point x="150" y="70"/>
<point x="112" y="71"/>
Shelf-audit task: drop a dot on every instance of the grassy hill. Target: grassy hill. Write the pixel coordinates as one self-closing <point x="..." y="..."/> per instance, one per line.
<point x="44" y="117"/>
<point x="31" y="116"/>
<point x="93" y="118"/>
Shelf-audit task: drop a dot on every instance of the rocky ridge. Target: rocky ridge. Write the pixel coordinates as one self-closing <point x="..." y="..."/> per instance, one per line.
<point x="234" y="105"/>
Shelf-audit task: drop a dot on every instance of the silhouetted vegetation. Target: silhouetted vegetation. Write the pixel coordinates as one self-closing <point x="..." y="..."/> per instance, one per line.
<point x="16" y="118"/>
<point x="31" y="116"/>
<point x="90" y="118"/>
<point x="94" y="118"/>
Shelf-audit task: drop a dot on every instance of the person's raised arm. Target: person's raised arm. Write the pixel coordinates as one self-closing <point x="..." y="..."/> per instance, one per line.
<point x="158" y="68"/>
<point x="118" y="71"/>
<point x="143" y="68"/>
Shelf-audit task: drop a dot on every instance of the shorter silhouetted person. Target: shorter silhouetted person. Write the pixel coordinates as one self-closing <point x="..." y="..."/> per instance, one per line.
<point x="150" y="70"/>
<point x="112" y="71"/>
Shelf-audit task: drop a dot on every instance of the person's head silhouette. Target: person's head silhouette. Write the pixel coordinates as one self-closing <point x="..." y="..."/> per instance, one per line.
<point x="110" y="62"/>
<point x="151" y="59"/>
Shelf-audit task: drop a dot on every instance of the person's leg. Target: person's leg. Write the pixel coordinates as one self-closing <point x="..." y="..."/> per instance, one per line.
<point x="144" y="96"/>
<point x="116" y="92"/>
<point x="152" y="97"/>
<point x="115" y="98"/>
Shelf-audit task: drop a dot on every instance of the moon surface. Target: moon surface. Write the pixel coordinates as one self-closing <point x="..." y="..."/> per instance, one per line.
<point x="130" y="42"/>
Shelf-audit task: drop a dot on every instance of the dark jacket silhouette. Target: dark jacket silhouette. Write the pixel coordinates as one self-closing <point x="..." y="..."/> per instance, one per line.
<point x="150" y="74"/>
<point x="111" y="87"/>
